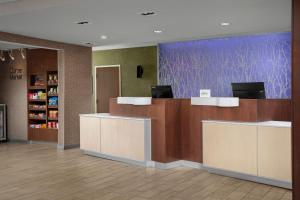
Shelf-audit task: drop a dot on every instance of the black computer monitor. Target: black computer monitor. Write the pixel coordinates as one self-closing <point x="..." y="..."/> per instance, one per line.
<point x="161" y="91"/>
<point x="254" y="90"/>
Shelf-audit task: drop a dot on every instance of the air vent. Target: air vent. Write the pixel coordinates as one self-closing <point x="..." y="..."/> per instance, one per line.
<point x="150" y="13"/>
<point x="83" y="23"/>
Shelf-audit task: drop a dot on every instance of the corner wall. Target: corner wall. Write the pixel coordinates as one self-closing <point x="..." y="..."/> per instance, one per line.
<point x="13" y="93"/>
<point x="74" y="71"/>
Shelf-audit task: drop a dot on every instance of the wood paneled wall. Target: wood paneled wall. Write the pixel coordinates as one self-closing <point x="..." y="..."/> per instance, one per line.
<point x="296" y="98"/>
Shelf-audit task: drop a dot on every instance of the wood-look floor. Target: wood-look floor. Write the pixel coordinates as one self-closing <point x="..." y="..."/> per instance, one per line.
<point x="40" y="172"/>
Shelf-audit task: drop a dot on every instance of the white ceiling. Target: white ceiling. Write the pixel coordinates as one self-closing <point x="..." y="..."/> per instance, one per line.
<point x="121" y="22"/>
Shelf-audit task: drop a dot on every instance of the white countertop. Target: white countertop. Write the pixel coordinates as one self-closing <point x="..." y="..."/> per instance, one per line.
<point x="137" y="101"/>
<point x="107" y="115"/>
<point x="283" y="124"/>
<point x="215" y="101"/>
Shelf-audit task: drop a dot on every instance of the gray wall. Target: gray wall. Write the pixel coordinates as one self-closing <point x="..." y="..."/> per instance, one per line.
<point x="14" y="94"/>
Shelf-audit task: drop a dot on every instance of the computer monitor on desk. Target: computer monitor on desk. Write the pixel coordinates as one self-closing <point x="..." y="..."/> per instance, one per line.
<point x="254" y="90"/>
<point x="161" y="91"/>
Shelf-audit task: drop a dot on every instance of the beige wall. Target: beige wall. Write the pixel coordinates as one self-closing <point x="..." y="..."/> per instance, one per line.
<point x="75" y="79"/>
<point x="14" y="93"/>
<point x="128" y="59"/>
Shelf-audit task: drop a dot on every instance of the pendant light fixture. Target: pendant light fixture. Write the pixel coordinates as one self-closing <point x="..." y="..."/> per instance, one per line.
<point x="11" y="55"/>
<point x="2" y="56"/>
<point x="23" y="54"/>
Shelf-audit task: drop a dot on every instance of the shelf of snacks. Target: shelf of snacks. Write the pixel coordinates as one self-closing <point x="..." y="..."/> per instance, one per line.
<point x="37" y="116"/>
<point x="37" y="80"/>
<point x="52" y="78"/>
<point x="52" y="102"/>
<point x="52" y="95"/>
<point x="53" y="92"/>
<point x="53" y="114"/>
<point x="38" y="119"/>
<point x="37" y="110"/>
<point x="37" y="100"/>
<point x="53" y="125"/>
<point x="35" y="107"/>
<point x="52" y="84"/>
<point x="37" y="88"/>
<point x="37" y="96"/>
<point x="52" y="107"/>
<point x="38" y="126"/>
<point x="43" y="105"/>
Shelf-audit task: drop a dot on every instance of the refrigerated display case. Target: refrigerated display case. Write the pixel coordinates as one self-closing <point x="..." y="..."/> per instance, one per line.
<point x="3" y="135"/>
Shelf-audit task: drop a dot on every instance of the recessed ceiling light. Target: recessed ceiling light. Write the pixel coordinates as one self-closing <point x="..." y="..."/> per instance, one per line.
<point x="225" y="24"/>
<point x="83" y="23"/>
<point x="157" y="31"/>
<point x="103" y="37"/>
<point x="148" y="13"/>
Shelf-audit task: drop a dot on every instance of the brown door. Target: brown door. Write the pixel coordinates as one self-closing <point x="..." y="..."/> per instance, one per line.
<point x="107" y="84"/>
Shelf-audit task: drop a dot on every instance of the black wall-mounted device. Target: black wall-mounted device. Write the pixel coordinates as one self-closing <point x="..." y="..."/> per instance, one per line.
<point x="139" y="71"/>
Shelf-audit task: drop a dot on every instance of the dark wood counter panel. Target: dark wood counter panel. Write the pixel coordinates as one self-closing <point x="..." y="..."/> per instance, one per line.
<point x="177" y="128"/>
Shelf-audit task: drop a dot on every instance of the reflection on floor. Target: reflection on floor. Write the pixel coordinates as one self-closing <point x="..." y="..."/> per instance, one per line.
<point x="40" y="172"/>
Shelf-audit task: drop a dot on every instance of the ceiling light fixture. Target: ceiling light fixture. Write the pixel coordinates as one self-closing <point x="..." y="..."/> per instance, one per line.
<point x="11" y="55"/>
<point x="23" y="53"/>
<point x="103" y="37"/>
<point x="2" y="56"/>
<point x="88" y="43"/>
<point x="157" y="31"/>
<point x="225" y="24"/>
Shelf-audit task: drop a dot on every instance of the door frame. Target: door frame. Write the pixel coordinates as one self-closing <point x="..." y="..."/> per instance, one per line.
<point x="95" y="82"/>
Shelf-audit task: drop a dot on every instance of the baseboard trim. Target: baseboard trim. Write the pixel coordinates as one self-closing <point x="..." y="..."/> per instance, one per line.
<point x="249" y="177"/>
<point x="119" y="159"/>
<point x="42" y="142"/>
<point x="169" y="165"/>
<point x="178" y="163"/>
<point x="18" y="141"/>
<point x="66" y="147"/>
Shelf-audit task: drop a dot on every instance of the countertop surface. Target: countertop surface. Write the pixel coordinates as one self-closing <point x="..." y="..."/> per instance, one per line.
<point x="107" y="115"/>
<point x="283" y="124"/>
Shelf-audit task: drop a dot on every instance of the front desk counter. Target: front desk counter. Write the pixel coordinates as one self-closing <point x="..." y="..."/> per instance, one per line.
<point x="257" y="151"/>
<point x="176" y="124"/>
<point x="126" y="139"/>
<point x="177" y="128"/>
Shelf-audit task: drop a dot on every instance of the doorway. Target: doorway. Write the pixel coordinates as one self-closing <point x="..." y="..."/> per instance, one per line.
<point x="107" y="85"/>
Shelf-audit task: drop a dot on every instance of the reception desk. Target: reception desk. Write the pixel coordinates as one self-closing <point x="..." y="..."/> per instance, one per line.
<point x="177" y="124"/>
<point x="250" y="150"/>
<point x="175" y="132"/>
<point x="126" y="139"/>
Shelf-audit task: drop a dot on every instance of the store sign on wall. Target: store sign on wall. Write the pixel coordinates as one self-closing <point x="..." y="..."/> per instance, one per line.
<point x="16" y="74"/>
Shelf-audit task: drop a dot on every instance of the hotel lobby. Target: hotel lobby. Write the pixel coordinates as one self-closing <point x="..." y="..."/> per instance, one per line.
<point x="141" y="100"/>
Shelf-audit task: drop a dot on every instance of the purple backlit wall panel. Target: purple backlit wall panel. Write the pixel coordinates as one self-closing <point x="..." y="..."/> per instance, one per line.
<point x="216" y="63"/>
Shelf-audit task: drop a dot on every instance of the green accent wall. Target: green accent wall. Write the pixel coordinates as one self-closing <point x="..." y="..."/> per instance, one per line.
<point x="128" y="59"/>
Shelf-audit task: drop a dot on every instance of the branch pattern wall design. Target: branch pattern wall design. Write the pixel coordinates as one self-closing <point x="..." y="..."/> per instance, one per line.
<point x="216" y="63"/>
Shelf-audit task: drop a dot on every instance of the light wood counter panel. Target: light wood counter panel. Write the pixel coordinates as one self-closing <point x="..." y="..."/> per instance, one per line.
<point x="123" y="138"/>
<point x="231" y="147"/>
<point x="274" y="153"/>
<point x="90" y="134"/>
